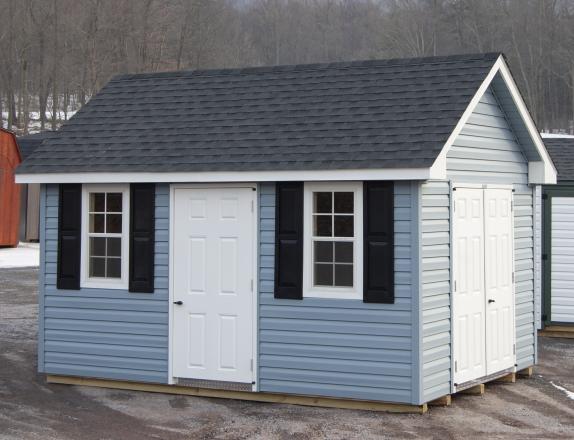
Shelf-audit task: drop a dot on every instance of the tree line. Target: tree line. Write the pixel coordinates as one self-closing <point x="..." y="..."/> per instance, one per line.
<point x="55" y="54"/>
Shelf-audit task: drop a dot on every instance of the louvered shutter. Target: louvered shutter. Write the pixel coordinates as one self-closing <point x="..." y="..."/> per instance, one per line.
<point x="142" y="237"/>
<point x="69" y="236"/>
<point x="289" y="240"/>
<point x="378" y="245"/>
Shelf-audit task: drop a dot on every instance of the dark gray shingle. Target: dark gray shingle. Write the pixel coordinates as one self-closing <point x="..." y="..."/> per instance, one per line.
<point x="561" y="152"/>
<point x="29" y="143"/>
<point x="355" y="115"/>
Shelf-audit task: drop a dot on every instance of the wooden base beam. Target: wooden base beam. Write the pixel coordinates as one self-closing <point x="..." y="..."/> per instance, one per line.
<point x="242" y="395"/>
<point x="477" y="390"/>
<point x="558" y="331"/>
<point x="442" y="401"/>
<point x="509" y="378"/>
<point x="526" y="373"/>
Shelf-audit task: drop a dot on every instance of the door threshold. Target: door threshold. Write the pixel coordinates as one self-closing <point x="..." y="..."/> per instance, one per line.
<point x="484" y="379"/>
<point x="213" y="384"/>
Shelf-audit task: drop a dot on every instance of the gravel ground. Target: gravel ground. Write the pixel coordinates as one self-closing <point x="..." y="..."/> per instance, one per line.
<point x="31" y="409"/>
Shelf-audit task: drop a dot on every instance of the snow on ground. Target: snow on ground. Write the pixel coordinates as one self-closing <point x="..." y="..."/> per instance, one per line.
<point x="554" y="136"/>
<point x="569" y="393"/>
<point x="25" y="255"/>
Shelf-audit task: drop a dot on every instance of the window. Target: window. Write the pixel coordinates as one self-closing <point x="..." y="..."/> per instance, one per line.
<point x="333" y="240"/>
<point x="105" y="221"/>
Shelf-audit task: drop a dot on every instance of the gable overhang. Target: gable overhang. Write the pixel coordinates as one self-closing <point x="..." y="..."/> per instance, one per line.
<point x="541" y="170"/>
<point x="230" y="176"/>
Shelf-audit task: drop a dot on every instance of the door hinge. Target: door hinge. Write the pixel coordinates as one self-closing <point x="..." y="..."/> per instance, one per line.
<point x="252" y="206"/>
<point x="455" y="366"/>
<point x="513" y="348"/>
<point x="544" y="196"/>
<point x="251" y="365"/>
<point x="545" y="257"/>
<point x="513" y="277"/>
<point x="454" y="205"/>
<point x="252" y="284"/>
<point x="455" y="285"/>
<point x="512" y="206"/>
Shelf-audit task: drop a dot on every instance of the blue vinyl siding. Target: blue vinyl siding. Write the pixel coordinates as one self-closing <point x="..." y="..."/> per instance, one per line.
<point x="435" y="289"/>
<point x="338" y="348"/>
<point x="486" y="150"/>
<point x="112" y="334"/>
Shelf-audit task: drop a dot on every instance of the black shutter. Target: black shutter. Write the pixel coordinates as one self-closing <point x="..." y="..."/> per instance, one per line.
<point x="378" y="246"/>
<point x="69" y="236"/>
<point x="289" y="240"/>
<point x="142" y="237"/>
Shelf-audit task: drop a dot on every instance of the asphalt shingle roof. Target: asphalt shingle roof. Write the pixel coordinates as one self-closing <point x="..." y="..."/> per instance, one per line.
<point x="561" y="152"/>
<point x="355" y="115"/>
<point x="28" y="144"/>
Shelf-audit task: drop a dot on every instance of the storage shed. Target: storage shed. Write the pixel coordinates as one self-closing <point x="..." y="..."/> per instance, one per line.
<point x="358" y="231"/>
<point x="9" y="190"/>
<point x="557" y="208"/>
<point x="30" y="194"/>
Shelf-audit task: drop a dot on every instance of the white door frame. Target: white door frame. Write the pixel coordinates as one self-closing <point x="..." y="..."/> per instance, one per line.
<point x="255" y="265"/>
<point x="453" y="186"/>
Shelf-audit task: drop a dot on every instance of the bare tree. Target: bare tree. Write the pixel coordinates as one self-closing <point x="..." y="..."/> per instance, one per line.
<point x="58" y="53"/>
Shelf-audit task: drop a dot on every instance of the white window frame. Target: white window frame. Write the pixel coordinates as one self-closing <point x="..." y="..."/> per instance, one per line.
<point x="103" y="283"/>
<point x="309" y="290"/>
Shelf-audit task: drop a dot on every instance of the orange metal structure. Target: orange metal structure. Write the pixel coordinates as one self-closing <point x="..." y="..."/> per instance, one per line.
<point x="9" y="191"/>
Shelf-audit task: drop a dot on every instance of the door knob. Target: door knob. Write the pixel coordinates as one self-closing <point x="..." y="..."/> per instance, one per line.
<point x="179" y="303"/>
<point x="491" y="301"/>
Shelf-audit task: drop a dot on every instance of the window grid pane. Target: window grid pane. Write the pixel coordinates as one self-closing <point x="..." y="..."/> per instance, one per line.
<point x="105" y="234"/>
<point x="333" y="238"/>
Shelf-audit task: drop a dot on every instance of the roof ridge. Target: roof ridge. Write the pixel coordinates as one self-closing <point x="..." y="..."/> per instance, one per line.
<point x="441" y="59"/>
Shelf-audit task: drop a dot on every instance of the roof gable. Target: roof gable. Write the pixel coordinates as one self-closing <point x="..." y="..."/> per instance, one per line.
<point x="499" y="79"/>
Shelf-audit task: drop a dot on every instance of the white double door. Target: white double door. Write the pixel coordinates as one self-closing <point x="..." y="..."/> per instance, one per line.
<point x="483" y="294"/>
<point x="213" y="295"/>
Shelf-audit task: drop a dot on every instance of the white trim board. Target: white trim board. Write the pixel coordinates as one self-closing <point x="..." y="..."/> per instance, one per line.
<point x="105" y="283"/>
<point x="230" y="176"/>
<point x="309" y="289"/>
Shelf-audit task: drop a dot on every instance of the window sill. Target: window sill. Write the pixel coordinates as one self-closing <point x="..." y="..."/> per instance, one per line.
<point x="333" y="294"/>
<point x="102" y="284"/>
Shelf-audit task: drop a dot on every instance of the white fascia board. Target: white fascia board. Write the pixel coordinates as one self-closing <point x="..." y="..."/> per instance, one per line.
<point x="230" y="176"/>
<point x="548" y="174"/>
<point x="542" y="172"/>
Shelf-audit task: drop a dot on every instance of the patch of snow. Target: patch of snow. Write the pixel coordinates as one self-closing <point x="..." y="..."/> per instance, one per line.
<point x="25" y="255"/>
<point x="552" y="135"/>
<point x="569" y="393"/>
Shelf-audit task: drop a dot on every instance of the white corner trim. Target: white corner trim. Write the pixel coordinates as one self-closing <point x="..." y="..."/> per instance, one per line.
<point x="230" y="176"/>
<point x="542" y="172"/>
<point x="170" y="377"/>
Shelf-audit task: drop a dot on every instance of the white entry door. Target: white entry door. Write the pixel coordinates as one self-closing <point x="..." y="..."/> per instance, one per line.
<point x="468" y="293"/>
<point x="483" y="294"/>
<point x="213" y="262"/>
<point x="498" y="250"/>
